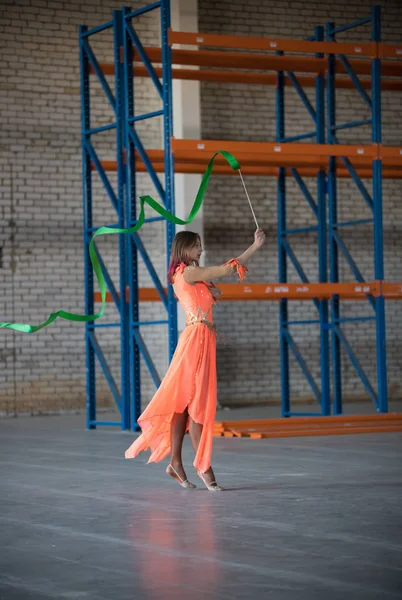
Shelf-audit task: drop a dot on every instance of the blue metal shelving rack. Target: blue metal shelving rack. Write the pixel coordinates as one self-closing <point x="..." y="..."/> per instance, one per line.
<point x="285" y="252"/>
<point x="128" y="143"/>
<point x="336" y="245"/>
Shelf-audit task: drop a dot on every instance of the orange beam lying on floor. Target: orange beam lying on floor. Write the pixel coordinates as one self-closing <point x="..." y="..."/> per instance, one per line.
<point x="239" y="292"/>
<point x="309" y="426"/>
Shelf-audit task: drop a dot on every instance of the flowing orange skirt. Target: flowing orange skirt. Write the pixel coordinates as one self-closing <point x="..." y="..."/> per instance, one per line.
<point x="190" y="382"/>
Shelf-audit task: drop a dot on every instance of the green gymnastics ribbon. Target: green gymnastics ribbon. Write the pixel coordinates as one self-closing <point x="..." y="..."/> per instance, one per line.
<point x="25" y="328"/>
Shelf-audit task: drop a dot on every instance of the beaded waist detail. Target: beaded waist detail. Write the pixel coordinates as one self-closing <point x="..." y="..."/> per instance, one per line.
<point x="210" y="325"/>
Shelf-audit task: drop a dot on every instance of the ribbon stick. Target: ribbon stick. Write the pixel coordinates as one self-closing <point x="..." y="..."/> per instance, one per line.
<point x="248" y="198"/>
<point x="25" y="328"/>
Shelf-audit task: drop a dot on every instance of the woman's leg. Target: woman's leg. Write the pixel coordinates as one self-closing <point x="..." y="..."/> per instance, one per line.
<point x="195" y="431"/>
<point x="177" y="432"/>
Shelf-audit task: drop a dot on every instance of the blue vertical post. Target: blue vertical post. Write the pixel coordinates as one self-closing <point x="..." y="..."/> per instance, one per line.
<point x="123" y="273"/>
<point x="282" y="257"/>
<point x="322" y="236"/>
<point x="378" y="216"/>
<point x="333" y="218"/>
<point x="87" y="199"/>
<point x="131" y="214"/>
<point x="168" y="160"/>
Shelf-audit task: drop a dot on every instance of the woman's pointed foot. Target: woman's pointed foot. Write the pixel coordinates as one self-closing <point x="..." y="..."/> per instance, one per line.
<point x="208" y="478"/>
<point x="184" y="482"/>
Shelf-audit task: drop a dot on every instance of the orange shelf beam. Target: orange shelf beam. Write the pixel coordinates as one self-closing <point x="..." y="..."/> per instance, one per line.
<point x="284" y="45"/>
<point x="391" y="291"/>
<point x="264" y="158"/>
<point x="288" y="154"/>
<point x="269" y="44"/>
<point x="371" y="49"/>
<point x="240" y="60"/>
<point x="238" y="292"/>
<point x="250" y="170"/>
<point x="265" y="62"/>
<point x="264" y="149"/>
<point x="250" y="77"/>
<point x="388" y="51"/>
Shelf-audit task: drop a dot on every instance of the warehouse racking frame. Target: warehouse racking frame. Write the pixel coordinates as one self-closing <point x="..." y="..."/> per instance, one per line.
<point x="329" y="64"/>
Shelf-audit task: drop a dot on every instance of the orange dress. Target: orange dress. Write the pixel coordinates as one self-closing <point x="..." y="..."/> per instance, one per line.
<point x="190" y="381"/>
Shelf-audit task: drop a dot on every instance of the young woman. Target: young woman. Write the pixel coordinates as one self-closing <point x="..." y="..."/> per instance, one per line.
<point x="186" y="398"/>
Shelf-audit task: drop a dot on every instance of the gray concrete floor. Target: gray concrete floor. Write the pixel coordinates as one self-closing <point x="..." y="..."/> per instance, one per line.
<point x="303" y="518"/>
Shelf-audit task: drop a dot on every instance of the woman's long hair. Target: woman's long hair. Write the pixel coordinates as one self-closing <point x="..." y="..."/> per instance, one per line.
<point x="183" y="243"/>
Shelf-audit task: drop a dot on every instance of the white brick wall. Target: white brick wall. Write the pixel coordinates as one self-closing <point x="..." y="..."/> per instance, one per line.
<point x="40" y="189"/>
<point x="41" y="206"/>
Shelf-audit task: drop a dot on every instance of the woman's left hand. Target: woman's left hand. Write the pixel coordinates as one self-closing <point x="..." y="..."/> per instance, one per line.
<point x="259" y="238"/>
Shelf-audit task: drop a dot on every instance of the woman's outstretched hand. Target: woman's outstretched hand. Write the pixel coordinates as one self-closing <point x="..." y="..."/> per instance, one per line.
<point x="259" y="238"/>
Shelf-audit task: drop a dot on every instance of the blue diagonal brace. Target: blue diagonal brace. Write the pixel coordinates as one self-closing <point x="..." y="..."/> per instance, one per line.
<point x="144" y="57"/>
<point x="302" y="95"/>
<point x="145" y="159"/>
<point x="356" y="81"/>
<point x="146" y="356"/>
<point x="151" y="269"/>
<point x="303" y="365"/>
<point x="298" y="267"/>
<point x="105" y="368"/>
<point x="348" y="257"/>
<point x="295" y="261"/>
<point x="352" y="264"/>
<point x="97" y="68"/>
<point x="104" y="178"/>
<point x="359" y="184"/>
<point x="303" y="188"/>
<point x="352" y="172"/>
<point x="358" y="368"/>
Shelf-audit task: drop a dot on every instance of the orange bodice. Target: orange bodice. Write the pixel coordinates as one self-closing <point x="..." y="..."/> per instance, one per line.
<point x="196" y="300"/>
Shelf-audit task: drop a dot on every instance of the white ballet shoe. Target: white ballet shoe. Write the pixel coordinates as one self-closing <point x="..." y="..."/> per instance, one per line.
<point x="213" y="486"/>
<point x="184" y="483"/>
